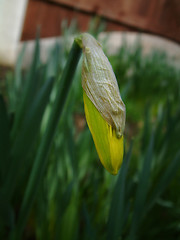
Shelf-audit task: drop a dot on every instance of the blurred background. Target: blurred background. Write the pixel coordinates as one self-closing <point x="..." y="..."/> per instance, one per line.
<point x="65" y="193"/>
<point x="19" y="20"/>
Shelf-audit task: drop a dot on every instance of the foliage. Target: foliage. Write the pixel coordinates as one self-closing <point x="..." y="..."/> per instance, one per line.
<point x="76" y="198"/>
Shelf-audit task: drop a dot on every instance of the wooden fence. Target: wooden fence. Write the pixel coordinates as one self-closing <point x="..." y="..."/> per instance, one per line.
<point x="160" y="17"/>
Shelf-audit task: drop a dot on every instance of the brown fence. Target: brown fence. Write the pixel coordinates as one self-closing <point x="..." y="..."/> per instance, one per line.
<point x="160" y="17"/>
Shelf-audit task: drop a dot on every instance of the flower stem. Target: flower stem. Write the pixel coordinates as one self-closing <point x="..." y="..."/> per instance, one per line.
<point x="41" y="160"/>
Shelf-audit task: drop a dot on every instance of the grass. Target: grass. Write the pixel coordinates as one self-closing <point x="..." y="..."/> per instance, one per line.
<point x="73" y="197"/>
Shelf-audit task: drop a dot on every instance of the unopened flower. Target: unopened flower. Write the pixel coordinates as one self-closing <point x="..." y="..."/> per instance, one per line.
<point x="104" y="108"/>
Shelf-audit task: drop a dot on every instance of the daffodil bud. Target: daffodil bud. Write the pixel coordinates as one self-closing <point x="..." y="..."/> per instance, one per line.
<point x="104" y="108"/>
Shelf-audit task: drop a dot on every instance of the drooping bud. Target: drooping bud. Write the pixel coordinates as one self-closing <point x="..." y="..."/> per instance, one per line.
<point x="104" y="108"/>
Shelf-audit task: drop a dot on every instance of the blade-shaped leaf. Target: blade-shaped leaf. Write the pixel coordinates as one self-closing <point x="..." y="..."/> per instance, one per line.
<point x="28" y="91"/>
<point x="116" y="213"/>
<point x="23" y="144"/>
<point x="4" y="139"/>
<point x="164" y="180"/>
<point x="40" y="163"/>
<point x="142" y="189"/>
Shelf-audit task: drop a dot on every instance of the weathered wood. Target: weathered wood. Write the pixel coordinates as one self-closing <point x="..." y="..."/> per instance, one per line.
<point x="161" y="17"/>
<point x="49" y="18"/>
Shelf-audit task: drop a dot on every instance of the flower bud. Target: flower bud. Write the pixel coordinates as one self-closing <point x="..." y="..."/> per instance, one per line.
<point x="104" y="108"/>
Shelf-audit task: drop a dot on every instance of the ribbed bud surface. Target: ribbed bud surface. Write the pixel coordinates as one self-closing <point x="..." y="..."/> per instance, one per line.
<point x="100" y="84"/>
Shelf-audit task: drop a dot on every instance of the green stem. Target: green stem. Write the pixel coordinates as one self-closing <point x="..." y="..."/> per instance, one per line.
<point x="41" y="160"/>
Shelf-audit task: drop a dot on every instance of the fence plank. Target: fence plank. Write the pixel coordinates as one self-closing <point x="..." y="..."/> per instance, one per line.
<point x="160" y="17"/>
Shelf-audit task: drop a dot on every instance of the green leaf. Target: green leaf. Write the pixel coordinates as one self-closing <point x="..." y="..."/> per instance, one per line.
<point x="164" y="180"/>
<point x="26" y="137"/>
<point x="90" y="232"/>
<point x="4" y="139"/>
<point x="116" y="213"/>
<point x="142" y="189"/>
<point x="64" y="202"/>
<point x="18" y="70"/>
<point x="28" y="91"/>
<point x="41" y="160"/>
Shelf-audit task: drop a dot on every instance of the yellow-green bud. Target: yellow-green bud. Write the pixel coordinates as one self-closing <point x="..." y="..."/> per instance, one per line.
<point x="104" y="108"/>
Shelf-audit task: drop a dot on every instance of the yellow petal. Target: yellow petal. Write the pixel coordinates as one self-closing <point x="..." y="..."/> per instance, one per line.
<point x="108" y="146"/>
